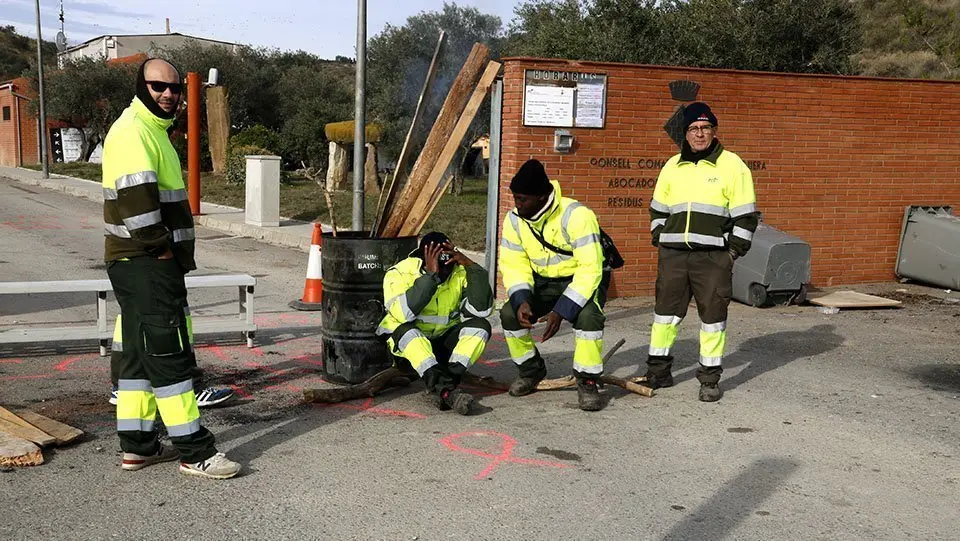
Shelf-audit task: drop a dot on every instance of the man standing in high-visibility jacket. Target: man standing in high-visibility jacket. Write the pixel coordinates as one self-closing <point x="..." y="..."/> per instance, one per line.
<point x="149" y="247"/>
<point x="552" y="260"/>
<point x="703" y="216"/>
<point x="437" y="302"/>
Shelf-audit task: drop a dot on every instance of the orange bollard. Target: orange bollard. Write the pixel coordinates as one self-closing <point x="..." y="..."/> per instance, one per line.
<point x="313" y="288"/>
<point x="193" y="142"/>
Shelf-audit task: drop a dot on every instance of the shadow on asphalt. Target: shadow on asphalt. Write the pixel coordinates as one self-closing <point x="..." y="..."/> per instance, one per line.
<point x="939" y="377"/>
<point x="736" y="501"/>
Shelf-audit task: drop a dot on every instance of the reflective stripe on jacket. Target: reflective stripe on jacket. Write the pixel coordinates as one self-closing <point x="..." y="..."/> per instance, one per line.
<point x="704" y="205"/>
<point x="567" y="225"/>
<point x="412" y="294"/>
<point x="145" y="207"/>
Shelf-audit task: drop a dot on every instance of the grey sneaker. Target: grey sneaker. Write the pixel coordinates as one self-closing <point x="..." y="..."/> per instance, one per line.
<point x="710" y="392"/>
<point x="216" y="467"/>
<point x="134" y="462"/>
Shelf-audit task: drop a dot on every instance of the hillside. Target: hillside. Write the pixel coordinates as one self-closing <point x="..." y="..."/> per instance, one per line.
<point x="17" y="52"/>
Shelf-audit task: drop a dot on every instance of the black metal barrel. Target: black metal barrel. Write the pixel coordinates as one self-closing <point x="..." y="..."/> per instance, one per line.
<point x="353" y="268"/>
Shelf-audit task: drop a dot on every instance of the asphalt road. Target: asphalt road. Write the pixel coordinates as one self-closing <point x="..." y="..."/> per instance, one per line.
<point x="832" y="427"/>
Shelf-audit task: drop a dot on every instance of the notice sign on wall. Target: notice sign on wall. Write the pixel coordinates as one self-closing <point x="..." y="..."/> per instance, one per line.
<point x="564" y="99"/>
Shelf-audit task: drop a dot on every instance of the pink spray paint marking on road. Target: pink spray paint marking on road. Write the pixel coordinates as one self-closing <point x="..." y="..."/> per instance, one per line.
<point x="506" y="452"/>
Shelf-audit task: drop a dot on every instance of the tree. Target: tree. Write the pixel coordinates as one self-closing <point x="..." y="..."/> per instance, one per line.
<point x="804" y="36"/>
<point x="88" y="94"/>
<point x="311" y="98"/>
<point x="399" y="58"/>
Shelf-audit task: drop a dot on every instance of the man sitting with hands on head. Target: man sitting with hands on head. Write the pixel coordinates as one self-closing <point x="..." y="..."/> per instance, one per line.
<point x="437" y="301"/>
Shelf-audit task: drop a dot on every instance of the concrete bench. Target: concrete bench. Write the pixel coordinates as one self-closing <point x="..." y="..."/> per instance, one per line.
<point x="103" y="330"/>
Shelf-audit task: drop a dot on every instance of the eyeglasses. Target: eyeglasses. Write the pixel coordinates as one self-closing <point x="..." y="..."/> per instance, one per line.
<point x="701" y="129"/>
<point x="161" y="86"/>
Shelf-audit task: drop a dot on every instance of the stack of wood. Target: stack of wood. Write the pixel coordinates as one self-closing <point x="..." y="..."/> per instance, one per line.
<point x="22" y="434"/>
<point x="406" y="212"/>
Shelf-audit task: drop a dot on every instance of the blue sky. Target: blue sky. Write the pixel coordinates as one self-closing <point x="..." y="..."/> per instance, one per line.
<point x="323" y="27"/>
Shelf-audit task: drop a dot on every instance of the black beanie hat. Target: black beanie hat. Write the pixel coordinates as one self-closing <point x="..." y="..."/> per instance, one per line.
<point x="434" y="237"/>
<point x="531" y="179"/>
<point x="144" y="94"/>
<point x="697" y="111"/>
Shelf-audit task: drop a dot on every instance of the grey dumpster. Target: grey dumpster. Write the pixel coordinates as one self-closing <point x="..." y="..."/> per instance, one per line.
<point x="776" y="267"/>
<point x="930" y="246"/>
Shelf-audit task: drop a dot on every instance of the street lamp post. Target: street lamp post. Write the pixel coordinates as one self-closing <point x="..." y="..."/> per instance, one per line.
<point x="359" y="117"/>
<point x="43" y="112"/>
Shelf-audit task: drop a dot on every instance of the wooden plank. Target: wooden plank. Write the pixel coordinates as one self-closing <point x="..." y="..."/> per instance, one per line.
<point x="400" y="170"/>
<point x="437" y="182"/>
<point x="454" y="104"/>
<point x="17" y="427"/>
<point x="63" y="432"/>
<point x="18" y="452"/>
<point x="853" y="299"/>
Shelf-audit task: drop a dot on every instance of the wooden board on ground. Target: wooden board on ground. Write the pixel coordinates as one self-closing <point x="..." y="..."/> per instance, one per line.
<point x="64" y="433"/>
<point x="26" y="431"/>
<point x="18" y="452"/>
<point x="853" y="299"/>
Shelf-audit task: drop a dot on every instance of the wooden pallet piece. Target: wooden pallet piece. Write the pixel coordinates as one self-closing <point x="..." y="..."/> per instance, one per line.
<point x="18" y="452"/>
<point x="456" y="101"/>
<point x="436" y="183"/>
<point x="399" y="173"/>
<point x="63" y="432"/>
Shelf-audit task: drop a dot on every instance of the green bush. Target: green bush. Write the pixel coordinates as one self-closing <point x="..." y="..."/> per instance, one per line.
<point x="236" y="172"/>
<point x="257" y="136"/>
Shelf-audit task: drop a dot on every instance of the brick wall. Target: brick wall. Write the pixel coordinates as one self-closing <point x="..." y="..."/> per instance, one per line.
<point x="9" y="129"/>
<point x="834" y="159"/>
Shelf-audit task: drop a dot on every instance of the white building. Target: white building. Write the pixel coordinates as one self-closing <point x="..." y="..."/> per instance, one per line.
<point x="119" y="46"/>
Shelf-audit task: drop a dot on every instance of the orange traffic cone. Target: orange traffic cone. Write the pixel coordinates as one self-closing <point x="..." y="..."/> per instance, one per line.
<point x="313" y="289"/>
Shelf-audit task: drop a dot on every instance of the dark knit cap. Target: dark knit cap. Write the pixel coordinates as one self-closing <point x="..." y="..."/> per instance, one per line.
<point x="696" y="112"/>
<point x="531" y="179"/>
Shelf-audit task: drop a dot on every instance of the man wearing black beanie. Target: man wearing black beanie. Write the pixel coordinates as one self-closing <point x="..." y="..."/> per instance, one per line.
<point x="552" y="262"/>
<point x="148" y="248"/>
<point x="703" y="216"/>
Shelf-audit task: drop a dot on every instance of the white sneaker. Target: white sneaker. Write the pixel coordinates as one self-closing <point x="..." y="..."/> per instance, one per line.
<point x="134" y="462"/>
<point x="216" y="467"/>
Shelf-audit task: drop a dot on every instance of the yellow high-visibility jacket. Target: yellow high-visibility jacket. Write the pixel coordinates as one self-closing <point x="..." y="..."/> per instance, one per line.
<point x="145" y="207"/>
<point x="413" y="295"/>
<point x="568" y="225"/>
<point x="705" y="205"/>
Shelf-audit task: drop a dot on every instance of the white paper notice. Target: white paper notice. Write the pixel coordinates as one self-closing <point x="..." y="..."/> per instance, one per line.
<point x="548" y="106"/>
<point x="590" y="105"/>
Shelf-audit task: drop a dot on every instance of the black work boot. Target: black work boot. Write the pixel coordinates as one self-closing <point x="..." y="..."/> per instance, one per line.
<point x="710" y="392"/>
<point x="523" y="386"/>
<point x="458" y="400"/>
<point x="588" y="395"/>
<point x="659" y="371"/>
<point x="532" y="372"/>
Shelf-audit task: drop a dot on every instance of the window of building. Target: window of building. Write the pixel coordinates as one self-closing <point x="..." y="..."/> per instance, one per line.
<point x="6" y="112"/>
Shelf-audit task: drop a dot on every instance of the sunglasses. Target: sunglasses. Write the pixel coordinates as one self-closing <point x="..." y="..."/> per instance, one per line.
<point x="160" y="87"/>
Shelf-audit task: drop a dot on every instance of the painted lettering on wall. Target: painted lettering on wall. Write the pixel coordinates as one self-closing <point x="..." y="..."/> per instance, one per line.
<point x="621" y="162"/>
<point x="625" y="202"/>
<point x="634" y="183"/>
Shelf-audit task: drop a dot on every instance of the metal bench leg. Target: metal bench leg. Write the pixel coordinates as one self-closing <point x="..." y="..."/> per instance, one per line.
<point x="246" y="311"/>
<point x="102" y="320"/>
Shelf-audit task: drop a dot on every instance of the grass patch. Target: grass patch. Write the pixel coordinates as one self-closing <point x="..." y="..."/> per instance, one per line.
<point x="89" y="171"/>
<point x="462" y="217"/>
